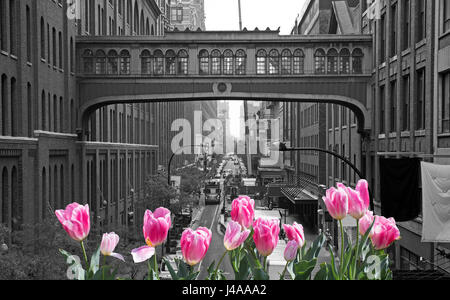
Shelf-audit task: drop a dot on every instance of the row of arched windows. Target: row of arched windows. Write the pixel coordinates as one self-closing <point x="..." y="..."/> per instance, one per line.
<point x="271" y="62"/>
<point x="334" y="62"/>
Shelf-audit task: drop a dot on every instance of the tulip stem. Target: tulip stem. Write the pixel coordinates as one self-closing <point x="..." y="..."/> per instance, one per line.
<point x="156" y="267"/>
<point x="284" y="271"/>
<point x="341" y="263"/>
<point x="104" y="265"/>
<point x="357" y="250"/>
<point x="220" y="262"/>
<point x="85" y="256"/>
<point x="265" y="264"/>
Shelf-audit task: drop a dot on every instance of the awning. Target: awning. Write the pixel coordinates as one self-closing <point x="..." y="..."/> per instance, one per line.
<point x="297" y="195"/>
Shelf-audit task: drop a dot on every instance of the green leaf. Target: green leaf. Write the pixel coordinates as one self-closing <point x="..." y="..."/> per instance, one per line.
<point x="333" y="264"/>
<point x="243" y="271"/>
<point x="75" y="270"/>
<point x="171" y="270"/>
<point x="323" y="272"/>
<point x="95" y="262"/>
<point x="315" y="248"/>
<point x="304" y="269"/>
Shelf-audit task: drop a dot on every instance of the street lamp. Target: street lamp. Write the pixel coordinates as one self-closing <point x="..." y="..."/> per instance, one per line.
<point x="283" y="148"/>
<point x="169" y="181"/>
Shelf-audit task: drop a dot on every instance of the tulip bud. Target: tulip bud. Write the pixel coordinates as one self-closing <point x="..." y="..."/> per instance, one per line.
<point x="109" y="244"/>
<point x="234" y="236"/>
<point x="336" y="201"/>
<point x="195" y="245"/>
<point x="266" y="235"/>
<point x="75" y="221"/>
<point x="290" y="253"/>
<point x="295" y="233"/>
<point x="243" y="211"/>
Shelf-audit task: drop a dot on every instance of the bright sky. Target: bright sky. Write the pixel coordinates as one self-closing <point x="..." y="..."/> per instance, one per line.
<point x="224" y="14"/>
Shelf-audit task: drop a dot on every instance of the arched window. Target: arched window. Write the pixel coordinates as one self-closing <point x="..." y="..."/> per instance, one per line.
<point x="228" y="62"/>
<point x="286" y="62"/>
<point x="44" y="194"/>
<point x="170" y="62"/>
<point x="113" y="62"/>
<point x="152" y="30"/>
<point x="100" y="62"/>
<point x="274" y="62"/>
<point x="204" y="62"/>
<point x="124" y="62"/>
<point x="43" y="111"/>
<point x="17" y="205"/>
<point x="240" y="62"/>
<point x="332" y="58"/>
<point x="261" y="62"/>
<point x="136" y="18"/>
<point x="299" y="62"/>
<point x="357" y="61"/>
<point x="147" y="27"/>
<point x="142" y="20"/>
<point x="88" y="61"/>
<point x="146" y="65"/>
<point x="42" y="37"/>
<point x="216" y="68"/>
<point x="158" y="63"/>
<point x="319" y="61"/>
<point x="183" y="59"/>
<point x="4" y="105"/>
<point x="344" y="61"/>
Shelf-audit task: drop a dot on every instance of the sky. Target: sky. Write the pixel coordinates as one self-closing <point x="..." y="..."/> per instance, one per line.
<point x="224" y="14"/>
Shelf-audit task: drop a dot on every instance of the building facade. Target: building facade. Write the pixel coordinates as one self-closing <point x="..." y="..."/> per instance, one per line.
<point x="187" y="14"/>
<point x="39" y="143"/>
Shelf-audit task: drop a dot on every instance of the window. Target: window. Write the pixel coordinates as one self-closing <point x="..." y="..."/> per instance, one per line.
<point x="382" y="56"/>
<point x="393" y="26"/>
<point x="72" y="56"/>
<point x="228" y="62"/>
<point x="446" y="15"/>
<point x="12" y="27"/>
<point x="344" y="61"/>
<point x="393" y="100"/>
<point x="261" y="62"/>
<point x="332" y="65"/>
<point x="28" y="16"/>
<point x="100" y="62"/>
<point x="357" y="61"/>
<point x="420" y="103"/>
<point x="3" y="22"/>
<point x="286" y="62"/>
<point x="299" y="61"/>
<point x="60" y="50"/>
<point x="405" y="103"/>
<point x="421" y="30"/>
<point x="215" y="63"/>
<point x="183" y="60"/>
<point x="177" y="14"/>
<point x="204" y="62"/>
<point x="4" y="105"/>
<point x="113" y="62"/>
<point x="54" y="46"/>
<point x="158" y="62"/>
<point x="319" y="61"/>
<point x="382" y="109"/>
<point x="43" y="112"/>
<point x="88" y="62"/>
<point x="240" y="62"/>
<point x="406" y="24"/>
<point x="146" y="62"/>
<point x="14" y="107"/>
<point x="170" y="62"/>
<point x="124" y="62"/>
<point x="274" y="62"/>
<point x="445" y="103"/>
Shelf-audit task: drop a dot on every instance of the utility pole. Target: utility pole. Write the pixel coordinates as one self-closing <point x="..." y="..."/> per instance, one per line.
<point x="240" y="15"/>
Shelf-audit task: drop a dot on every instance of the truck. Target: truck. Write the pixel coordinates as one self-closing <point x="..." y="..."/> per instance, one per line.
<point x="212" y="193"/>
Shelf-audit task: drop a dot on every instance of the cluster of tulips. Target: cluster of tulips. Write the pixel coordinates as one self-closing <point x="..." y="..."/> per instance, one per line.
<point x="249" y="242"/>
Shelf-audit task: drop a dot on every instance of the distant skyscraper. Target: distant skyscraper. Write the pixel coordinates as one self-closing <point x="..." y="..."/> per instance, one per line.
<point x="187" y="14"/>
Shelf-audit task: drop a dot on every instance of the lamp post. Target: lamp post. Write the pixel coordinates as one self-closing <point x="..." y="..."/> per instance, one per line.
<point x="169" y="181"/>
<point x="283" y="148"/>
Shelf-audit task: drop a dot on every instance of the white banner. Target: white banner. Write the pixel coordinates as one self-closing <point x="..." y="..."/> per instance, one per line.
<point x="436" y="203"/>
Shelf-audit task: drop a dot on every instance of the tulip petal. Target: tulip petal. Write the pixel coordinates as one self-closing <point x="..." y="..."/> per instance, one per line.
<point x="142" y="254"/>
<point x="118" y="256"/>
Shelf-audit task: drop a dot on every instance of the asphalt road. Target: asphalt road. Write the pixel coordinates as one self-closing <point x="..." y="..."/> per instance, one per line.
<point x="210" y="220"/>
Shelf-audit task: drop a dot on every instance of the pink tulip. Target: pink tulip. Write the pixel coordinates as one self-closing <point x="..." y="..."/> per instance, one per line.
<point x="235" y="236"/>
<point x="266" y="235"/>
<point x="385" y="232"/>
<point x="336" y="201"/>
<point x="295" y="233"/>
<point x="290" y="253"/>
<point x="357" y="204"/>
<point x="156" y="226"/>
<point x="75" y="221"/>
<point x="365" y="223"/>
<point x="195" y="244"/>
<point x="243" y="211"/>
<point x="109" y="243"/>
<point x="363" y="189"/>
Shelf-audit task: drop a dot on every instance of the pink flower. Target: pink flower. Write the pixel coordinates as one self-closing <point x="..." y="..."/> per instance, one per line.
<point x="75" y="221"/>
<point x="266" y="235"/>
<point x="290" y="253"/>
<point x="336" y="201"/>
<point x="156" y="226"/>
<point x="358" y="203"/>
<point x="385" y="232"/>
<point x="234" y="236"/>
<point x="243" y="211"/>
<point x="109" y="243"/>
<point x="295" y="233"/>
<point x="365" y="222"/>
<point x="195" y="244"/>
